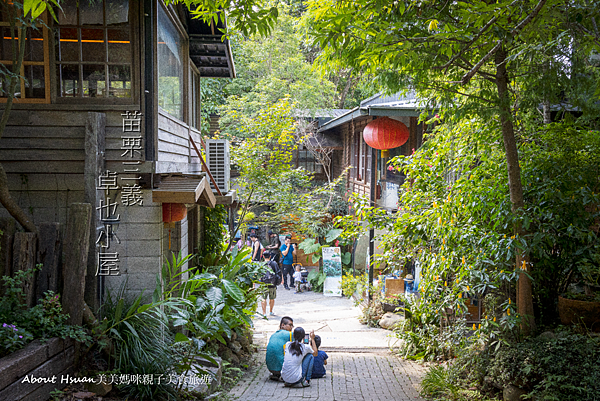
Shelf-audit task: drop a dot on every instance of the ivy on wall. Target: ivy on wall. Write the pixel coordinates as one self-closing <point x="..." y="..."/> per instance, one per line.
<point x="214" y="230"/>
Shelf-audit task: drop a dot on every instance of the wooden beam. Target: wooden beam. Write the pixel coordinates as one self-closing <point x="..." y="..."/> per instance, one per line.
<point x="226" y="199"/>
<point x="95" y="150"/>
<point x="75" y="257"/>
<point x="24" y="252"/>
<point x="49" y="256"/>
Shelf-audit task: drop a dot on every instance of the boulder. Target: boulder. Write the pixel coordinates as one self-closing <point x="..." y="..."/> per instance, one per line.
<point x="235" y="361"/>
<point x="512" y="393"/>
<point x="243" y="340"/>
<point x="100" y="389"/>
<point x="547" y="336"/>
<point x="389" y="319"/>
<point x="236" y="347"/>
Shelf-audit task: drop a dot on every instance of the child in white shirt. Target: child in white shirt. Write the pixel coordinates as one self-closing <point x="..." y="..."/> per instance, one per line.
<point x="297" y="279"/>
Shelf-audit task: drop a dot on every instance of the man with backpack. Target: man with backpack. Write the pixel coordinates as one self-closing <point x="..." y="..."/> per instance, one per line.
<point x="271" y="278"/>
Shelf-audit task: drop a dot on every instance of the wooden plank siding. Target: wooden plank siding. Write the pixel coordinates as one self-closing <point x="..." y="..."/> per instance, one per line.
<point x="175" y="151"/>
<point x="42" y="152"/>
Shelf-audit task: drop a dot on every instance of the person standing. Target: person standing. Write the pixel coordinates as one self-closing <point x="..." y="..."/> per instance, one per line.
<point x="288" y="251"/>
<point x="271" y="290"/>
<point x="256" y="248"/>
<point x="274" y="245"/>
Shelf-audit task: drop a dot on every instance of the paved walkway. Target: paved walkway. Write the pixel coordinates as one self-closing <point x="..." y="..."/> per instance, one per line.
<point x="360" y="366"/>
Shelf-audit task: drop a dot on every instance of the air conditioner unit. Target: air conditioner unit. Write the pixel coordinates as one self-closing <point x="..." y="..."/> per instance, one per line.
<point x="217" y="160"/>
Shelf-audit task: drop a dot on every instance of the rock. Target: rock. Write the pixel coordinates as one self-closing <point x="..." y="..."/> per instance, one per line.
<point x="226" y="354"/>
<point x="212" y="396"/>
<point x="490" y="382"/>
<point x="84" y="394"/>
<point x="235" y="361"/>
<point x="243" y="340"/>
<point x="547" y="336"/>
<point x="199" y="382"/>
<point x="101" y="389"/>
<point x="207" y="363"/>
<point x="234" y="336"/>
<point x="236" y="347"/>
<point x="389" y="319"/>
<point x="512" y="393"/>
<point x="249" y="336"/>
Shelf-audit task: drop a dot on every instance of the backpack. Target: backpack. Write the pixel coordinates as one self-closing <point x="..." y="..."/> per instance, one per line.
<point x="272" y="277"/>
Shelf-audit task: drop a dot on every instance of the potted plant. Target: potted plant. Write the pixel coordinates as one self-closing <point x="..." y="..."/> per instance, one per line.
<point x="581" y="304"/>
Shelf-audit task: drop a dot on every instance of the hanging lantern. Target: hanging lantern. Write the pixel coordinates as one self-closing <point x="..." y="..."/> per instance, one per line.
<point x="173" y="212"/>
<point x="385" y="133"/>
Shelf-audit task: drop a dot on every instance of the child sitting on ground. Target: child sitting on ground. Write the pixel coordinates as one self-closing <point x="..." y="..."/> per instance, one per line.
<point x="298" y="279"/>
<point x="319" y="361"/>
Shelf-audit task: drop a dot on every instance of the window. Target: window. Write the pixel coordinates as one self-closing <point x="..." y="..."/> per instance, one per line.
<point x="306" y="160"/>
<point x="170" y="66"/>
<point x="93" y="49"/>
<point x="32" y="88"/>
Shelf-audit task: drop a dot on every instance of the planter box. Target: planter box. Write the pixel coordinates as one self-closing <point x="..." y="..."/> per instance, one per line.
<point x="573" y="311"/>
<point x="52" y="361"/>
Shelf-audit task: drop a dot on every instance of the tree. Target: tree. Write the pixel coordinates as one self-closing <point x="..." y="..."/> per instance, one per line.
<point x="270" y="68"/>
<point x="473" y="57"/>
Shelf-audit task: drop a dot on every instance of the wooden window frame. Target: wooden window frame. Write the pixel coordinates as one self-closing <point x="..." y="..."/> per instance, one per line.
<point x="194" y="98"/>
<point x="185" y="63"/>
<point x="46" y="63"/>
<point x="136" y="84"/>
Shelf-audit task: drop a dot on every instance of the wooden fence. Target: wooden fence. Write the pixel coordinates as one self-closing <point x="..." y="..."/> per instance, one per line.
<point x="62" y="258"/>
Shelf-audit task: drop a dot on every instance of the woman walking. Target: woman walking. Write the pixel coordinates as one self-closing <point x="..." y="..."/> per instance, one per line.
<point x="298" y="359"/>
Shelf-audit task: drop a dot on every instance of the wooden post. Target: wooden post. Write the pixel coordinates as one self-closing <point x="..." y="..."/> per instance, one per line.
<point x="95" y="146"/>
<point x="75" y="253"/>
<point x="24" y="255"/>
<point x="8" y="227"/>
<point x="49" y="255"/>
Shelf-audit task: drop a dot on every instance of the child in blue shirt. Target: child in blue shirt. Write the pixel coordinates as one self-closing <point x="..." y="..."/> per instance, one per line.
<point x="319" y="361"/>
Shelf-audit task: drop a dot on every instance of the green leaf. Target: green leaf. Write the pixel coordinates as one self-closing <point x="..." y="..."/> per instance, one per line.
<point x="233" y="291"/>
<point x="180" y="337"/>
<point x="309" y="246"/>
<point x="346" y="258"/>
<point x="333" y="234"/>
<point x="215" y="296"/>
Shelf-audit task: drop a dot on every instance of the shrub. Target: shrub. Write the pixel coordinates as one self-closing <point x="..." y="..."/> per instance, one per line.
<point x="12" y="338"/>
<point x="560" y="367"/>
<point x="43" y="321"/>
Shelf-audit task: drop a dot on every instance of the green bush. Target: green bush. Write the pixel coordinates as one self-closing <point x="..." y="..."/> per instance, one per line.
<point x="12" y="338"/>
<point x="43" y="321"/>
<point x="561" y="367"/>
<point x="140" y="344"/>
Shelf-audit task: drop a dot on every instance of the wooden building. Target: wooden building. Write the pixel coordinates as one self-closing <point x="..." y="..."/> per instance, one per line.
<point x="109" y="114"/>
<point x="347" y="129"/>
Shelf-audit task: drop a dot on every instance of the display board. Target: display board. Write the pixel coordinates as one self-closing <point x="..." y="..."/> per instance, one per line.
<point x="332" y="266"/>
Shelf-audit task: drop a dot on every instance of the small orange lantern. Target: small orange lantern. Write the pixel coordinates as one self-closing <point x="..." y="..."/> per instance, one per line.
<point x="384" y="133"/>
<point x="173" y="212"/>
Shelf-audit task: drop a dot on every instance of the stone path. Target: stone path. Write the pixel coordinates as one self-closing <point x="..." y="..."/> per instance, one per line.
<point x="360" y="366"/>
<point x="350" y="376"/>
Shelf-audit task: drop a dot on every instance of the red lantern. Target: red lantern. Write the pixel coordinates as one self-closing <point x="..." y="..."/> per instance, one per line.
<point x="173" y="212"/>
<point x="384" y="133"/>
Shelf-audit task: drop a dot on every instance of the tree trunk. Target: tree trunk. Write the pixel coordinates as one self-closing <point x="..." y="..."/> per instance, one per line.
<point x="524" y="293"/>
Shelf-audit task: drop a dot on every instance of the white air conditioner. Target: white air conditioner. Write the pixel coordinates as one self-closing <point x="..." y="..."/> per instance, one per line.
<point x="217" y="160"/>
